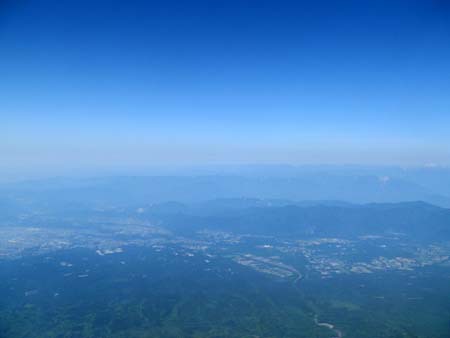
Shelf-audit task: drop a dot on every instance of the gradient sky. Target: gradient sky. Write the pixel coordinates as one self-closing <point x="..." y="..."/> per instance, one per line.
<point x="136" y="83"/>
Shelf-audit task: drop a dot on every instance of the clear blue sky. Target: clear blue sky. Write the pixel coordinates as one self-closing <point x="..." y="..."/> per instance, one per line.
<point x="105" y="83"/>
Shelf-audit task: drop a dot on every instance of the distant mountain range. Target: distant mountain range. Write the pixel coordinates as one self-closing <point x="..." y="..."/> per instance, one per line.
<point x="417" y="220"/>
<point x="301" y="202"/>
<point x="354" y="185"/>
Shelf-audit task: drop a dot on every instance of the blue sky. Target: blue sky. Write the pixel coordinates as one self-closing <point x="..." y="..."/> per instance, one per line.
<point x="108" y="83"/>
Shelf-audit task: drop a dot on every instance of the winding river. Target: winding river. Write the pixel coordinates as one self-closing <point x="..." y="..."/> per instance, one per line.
<point x="329" y="326"/>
